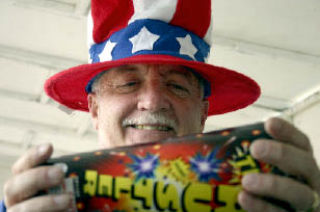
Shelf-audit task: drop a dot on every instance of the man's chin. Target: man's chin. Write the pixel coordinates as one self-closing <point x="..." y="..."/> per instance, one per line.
<point x="137" y="136"/>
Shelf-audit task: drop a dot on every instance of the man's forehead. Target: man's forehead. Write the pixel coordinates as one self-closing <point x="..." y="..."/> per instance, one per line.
<point x="163" y="69"/>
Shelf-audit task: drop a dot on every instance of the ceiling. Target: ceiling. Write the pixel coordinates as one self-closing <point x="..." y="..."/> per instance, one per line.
<point x="274" y="42"/>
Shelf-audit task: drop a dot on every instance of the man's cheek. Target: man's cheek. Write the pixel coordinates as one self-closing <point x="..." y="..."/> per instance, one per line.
<point x="194" y="123"/>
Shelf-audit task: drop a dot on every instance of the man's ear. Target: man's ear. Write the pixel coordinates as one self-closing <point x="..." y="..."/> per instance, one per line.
<point x="204" y="112"/>
<point x="93" y="109"/>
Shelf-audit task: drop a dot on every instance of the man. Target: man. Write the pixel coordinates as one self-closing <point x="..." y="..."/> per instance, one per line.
<point x="148" y="81"/>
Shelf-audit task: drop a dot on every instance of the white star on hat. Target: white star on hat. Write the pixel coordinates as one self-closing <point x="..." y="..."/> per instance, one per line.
<point x="106" y="53"/>
<point x="187" y="47"/>
<point x="144" y="40"/>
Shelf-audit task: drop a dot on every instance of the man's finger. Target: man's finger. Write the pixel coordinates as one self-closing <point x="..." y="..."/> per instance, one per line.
<point x="32" y="157"/>
<point x="279" y="187"/>
<point x="252" y="203"/>
<point x="49" y="203"/>
<point x="284" y="131"/>
<point x="288" y="158"/>
<point x="30" y="182"/>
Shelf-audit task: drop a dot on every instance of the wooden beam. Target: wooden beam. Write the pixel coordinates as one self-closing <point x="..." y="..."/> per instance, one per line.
<point x="50" y="62"/>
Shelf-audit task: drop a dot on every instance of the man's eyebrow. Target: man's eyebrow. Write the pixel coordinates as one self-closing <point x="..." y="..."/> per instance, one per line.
<point x="183" y="72"/>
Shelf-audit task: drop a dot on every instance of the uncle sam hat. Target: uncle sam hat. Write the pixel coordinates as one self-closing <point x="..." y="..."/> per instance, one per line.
<point x="175" y="32"/>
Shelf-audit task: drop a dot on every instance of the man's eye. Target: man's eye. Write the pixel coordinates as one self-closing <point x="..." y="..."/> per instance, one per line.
<point x="130" y="84"/>
<point x="179" y="89"/>
<point x="127" y="87"/>
<point x="177" y="86"/>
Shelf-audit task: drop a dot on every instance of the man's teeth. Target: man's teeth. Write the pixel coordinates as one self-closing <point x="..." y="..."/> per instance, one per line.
<point x="150" y="127"/>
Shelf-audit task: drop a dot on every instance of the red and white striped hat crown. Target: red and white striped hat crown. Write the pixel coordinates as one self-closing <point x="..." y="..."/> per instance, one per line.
<point x="152" y="31"/>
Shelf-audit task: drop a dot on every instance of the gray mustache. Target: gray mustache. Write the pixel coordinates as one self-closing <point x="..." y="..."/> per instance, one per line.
<point x="150" y="118"/>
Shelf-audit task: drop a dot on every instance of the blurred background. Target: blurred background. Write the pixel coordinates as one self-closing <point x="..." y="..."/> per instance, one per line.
<point x="275" y="42"/>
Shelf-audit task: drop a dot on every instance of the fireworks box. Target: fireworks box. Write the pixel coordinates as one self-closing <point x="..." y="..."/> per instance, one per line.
<point x="197" y="173"/>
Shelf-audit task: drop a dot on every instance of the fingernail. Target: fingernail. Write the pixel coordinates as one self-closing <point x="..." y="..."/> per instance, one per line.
<point x="55" y="174"/>
<point x="43" y="148"/>
<point x="62" y="201"/>
<point x="277" y="124"/>
<point x="259" y="149"/>
<point x="241" y="197"/>
<point x="249" y="181"/>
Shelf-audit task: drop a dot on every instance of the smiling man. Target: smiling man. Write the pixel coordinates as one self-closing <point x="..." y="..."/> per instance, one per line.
<point x="147" y="81"/>
<point x="145" y="103"/>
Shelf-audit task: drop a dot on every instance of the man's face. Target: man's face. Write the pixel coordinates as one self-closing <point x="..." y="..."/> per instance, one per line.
<point x="142" y="103"/>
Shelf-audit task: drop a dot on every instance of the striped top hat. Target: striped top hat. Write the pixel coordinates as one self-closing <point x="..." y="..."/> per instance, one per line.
<point x="175" y="32"/>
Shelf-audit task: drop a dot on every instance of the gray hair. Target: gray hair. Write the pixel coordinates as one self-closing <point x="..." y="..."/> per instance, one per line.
<point x="96" y="83"/>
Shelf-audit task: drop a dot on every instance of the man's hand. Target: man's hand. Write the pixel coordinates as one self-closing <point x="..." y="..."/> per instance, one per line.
<point x="291" y="152"/>
<point x="28" y="180"/>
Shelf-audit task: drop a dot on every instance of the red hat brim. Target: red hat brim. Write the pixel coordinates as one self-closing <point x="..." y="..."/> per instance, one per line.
<point x="230" y="90"/>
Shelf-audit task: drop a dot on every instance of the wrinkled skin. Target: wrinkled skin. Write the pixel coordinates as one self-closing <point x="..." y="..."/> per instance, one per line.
<point x="139" y="91"/>
<point x="158" y="93"/>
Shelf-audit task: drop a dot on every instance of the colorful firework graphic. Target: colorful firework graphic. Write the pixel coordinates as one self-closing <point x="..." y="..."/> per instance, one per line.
<point x="144" y="167"/>
<point x="242" y="162"/>
<point x="180" y="171"/>
<point x="206" y="167"/>
<point x="192" y="173"/>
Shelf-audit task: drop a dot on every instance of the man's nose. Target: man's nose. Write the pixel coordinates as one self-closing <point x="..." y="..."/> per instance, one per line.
<point x="153" y="98"/>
